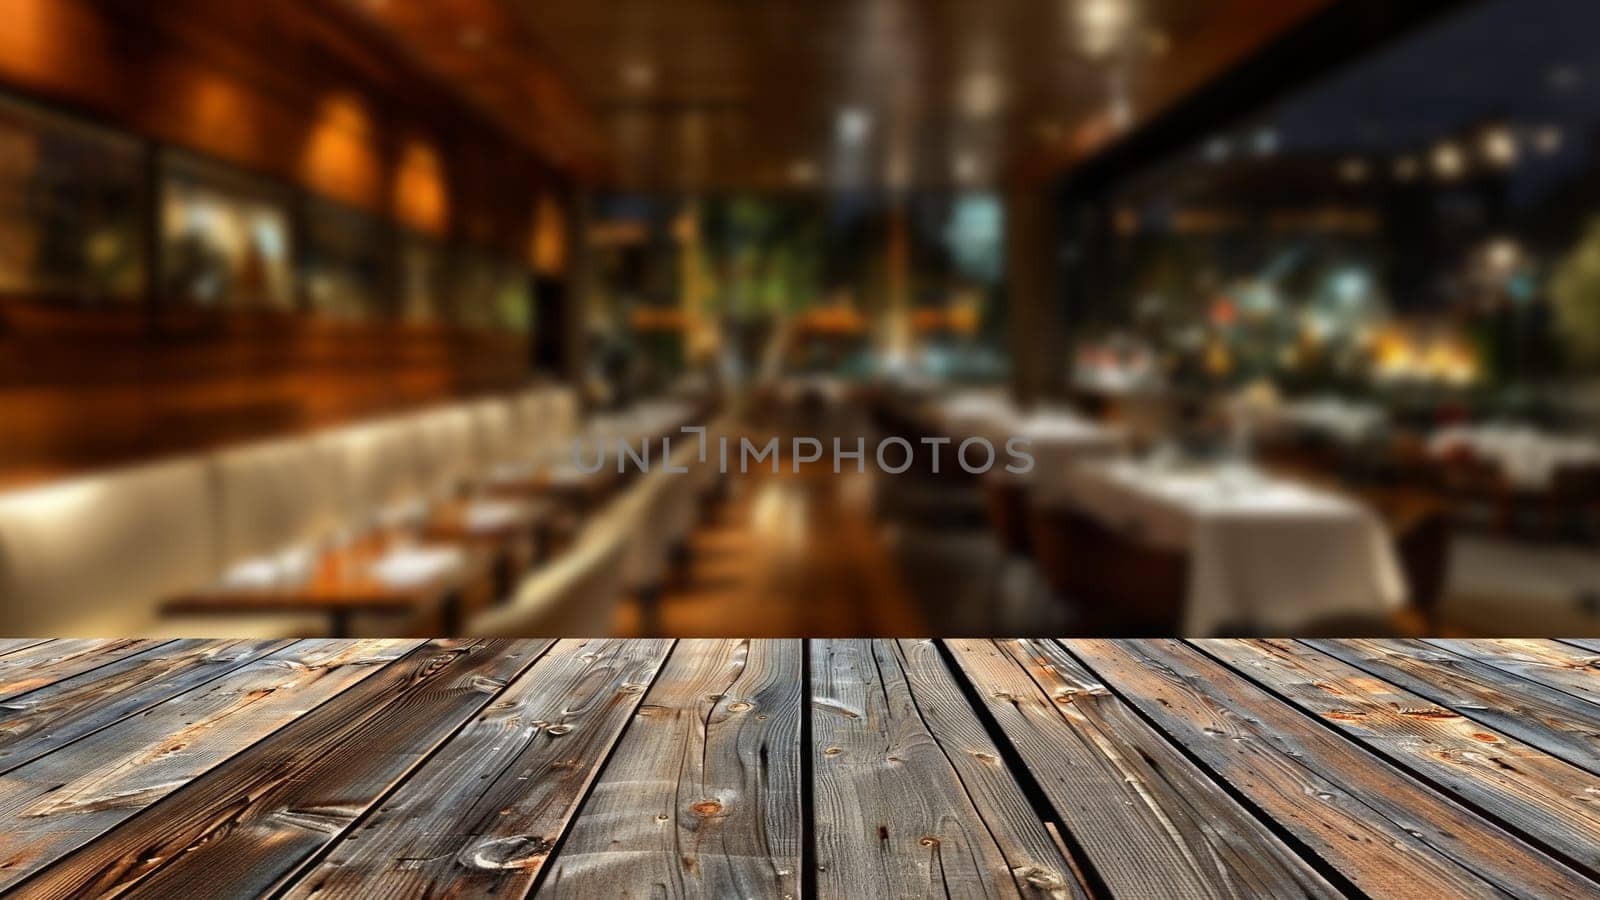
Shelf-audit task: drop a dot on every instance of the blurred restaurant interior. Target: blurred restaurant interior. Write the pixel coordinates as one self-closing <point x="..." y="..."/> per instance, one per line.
<point x="417" y="317"/>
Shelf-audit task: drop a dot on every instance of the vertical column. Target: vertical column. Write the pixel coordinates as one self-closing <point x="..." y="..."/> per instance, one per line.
<point x="580" y="287"/>
<point x="1038" y="348"/>
<point x="897" y="337"/>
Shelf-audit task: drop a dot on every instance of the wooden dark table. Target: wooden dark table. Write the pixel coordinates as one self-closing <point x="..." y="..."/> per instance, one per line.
<point x="829" y="768"/>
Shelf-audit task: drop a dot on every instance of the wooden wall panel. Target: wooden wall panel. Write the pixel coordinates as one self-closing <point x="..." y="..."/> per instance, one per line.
<point x="302" y="92"/>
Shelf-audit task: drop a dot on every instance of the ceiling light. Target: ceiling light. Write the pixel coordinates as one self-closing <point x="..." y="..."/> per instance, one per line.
<point x="1502" y="254"/>
<point x="981" y="94"/>
<point x="1548" y="140"/>
<point x="1406" y="168"/>
<point x="1102" y="23"/>
<point x="1264" y="142"/>
<point x="1448" y="161"/>
<point x="1216" y="150"/>
<point x="803" y="171"/>
<point x="1353" y="170"/>
<point x="639" y="75"/>
<point x="854" y="125"/>
<point x="1499" y="147"/>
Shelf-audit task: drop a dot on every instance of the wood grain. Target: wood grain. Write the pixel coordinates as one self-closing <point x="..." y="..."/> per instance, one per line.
<point x="12" y="645"/>
<point x="893" y="816"/>
<point x="58" y="714"/>
<point x="482" y="815"/>
<point x="1150" y="822"/>
<point x="31" y="668"/>
<point x="1534" y="793"/>
<point x="66" y="799"/>
<point x="614" y="768"/>
<point x="702" y="797"/>
<point x="1387" y="833"/>
<point x="1566" y="666"/>
<point x="1553" y="721"/>
<point x="993" y="788"/>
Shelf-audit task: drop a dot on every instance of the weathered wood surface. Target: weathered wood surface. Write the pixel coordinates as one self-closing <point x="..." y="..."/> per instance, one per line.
<point x="33" y="667"/>
<point x="541" y="742"/>
<point x="66" y="799"/>
<point x="57" y="714"/>
<point x="702" y="798"/>
<point x="836" y="768"/>
<point x="1570" y="666"/>
<point x="893" y="810"/>
<point x="1386" y="833"/>
<point x="1150" y="822"/>
<point x="1538" y="795"/>
<point x="1553" y="721"/>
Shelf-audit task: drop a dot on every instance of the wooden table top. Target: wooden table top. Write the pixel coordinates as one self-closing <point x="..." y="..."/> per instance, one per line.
<point x="826" y="768"/>
<point x="343" y="579"/>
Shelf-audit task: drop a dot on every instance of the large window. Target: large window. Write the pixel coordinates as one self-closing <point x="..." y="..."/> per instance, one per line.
<point x="225" y="237"/>
<point x="1428" y="218"/>
<point x="71" y="209"/>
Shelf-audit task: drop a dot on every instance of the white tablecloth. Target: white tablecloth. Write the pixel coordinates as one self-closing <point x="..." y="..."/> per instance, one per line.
<point x="1272" y="554"/>
<point x="1528" y="457"/>
<point x="1057" y="437"/>
<point x="1344" y="421"/>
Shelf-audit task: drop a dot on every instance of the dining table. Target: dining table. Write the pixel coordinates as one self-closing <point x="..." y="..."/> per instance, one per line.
<point x="383" y="573"/>
<point x="1527" y="456"/>
<point x="1265" y="553"/>
<point x="514" y="531"/>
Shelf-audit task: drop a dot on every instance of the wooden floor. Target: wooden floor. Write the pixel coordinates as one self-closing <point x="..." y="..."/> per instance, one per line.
<point x="787" y="554"/>
<point x="823" y="768"/>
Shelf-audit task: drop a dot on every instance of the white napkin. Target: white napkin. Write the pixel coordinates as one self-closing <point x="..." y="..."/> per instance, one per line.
<point x="406" y="568"/>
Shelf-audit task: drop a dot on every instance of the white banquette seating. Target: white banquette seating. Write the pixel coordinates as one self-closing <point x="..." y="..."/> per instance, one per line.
<point x="627" y="549"/>
<point x="96" y="555"/>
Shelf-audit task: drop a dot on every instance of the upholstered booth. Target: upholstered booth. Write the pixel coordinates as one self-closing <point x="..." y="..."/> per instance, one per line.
<point x="277" y="495"/>
<point x="577" y="593"/>
<point x="378" y="466"/>
<point x="98" y="555"/>
<point x="447" y="450"/>
<point x="93" y="556"/>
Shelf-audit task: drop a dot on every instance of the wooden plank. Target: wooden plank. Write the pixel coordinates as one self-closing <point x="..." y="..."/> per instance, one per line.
<point x="482" y="815"/>
<point x="1384" y="831"/>
<point x="702" y="797"/>
<point x="1566" y="666"/>
<point x="953" y="722"/>
<point x="1553" y="721"/>
<point x="58" y="714"/>
<point x="12" y="645"/>
<point x="1523" y="788"/>
<point x="892" y="815"/>
<point x="63" y="800"/>
<point x="240" y="829"/>
<point x="1149" y="821"/>
<point x="31" y="668"/>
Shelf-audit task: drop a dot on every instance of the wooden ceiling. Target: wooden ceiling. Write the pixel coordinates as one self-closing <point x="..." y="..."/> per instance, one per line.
<point x="737" y="94"/>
